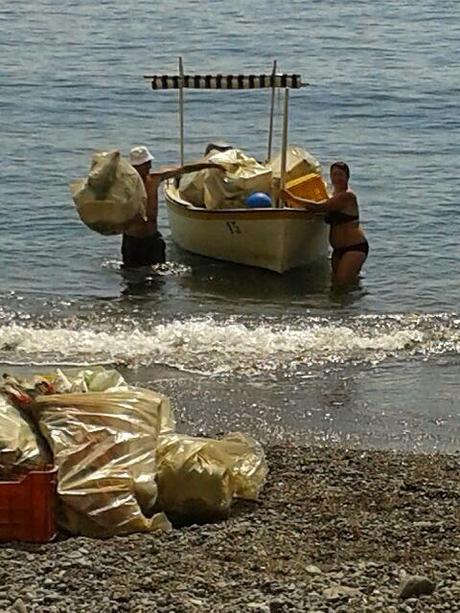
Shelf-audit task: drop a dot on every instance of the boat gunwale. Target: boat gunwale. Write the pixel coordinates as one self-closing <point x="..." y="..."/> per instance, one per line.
<point x="186" y="209"/>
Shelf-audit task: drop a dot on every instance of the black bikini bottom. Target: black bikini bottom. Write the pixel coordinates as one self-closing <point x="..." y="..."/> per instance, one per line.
<point x="361" y="247"/>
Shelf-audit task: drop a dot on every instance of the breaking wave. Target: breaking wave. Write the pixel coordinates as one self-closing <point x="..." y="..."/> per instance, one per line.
<point x="211" y="346"/>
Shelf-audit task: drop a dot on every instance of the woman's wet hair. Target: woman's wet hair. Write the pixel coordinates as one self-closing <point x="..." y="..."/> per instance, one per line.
<point x="342" y="166"/>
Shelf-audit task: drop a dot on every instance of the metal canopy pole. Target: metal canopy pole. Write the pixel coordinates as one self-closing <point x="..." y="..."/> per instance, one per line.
<point x="285" y="138"/>
<point x="181" y="110"/>
<point x="272" y="111"/>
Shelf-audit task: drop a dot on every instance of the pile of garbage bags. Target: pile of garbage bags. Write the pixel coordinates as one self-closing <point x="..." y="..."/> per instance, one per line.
<point x="111" y="196"/>
<point x="244" y="175"/>
<point x="122" y="467"/>
<point x="216" y="190"/>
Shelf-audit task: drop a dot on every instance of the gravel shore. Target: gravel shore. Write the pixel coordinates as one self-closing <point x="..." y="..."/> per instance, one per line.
<point x="335" y="530"/>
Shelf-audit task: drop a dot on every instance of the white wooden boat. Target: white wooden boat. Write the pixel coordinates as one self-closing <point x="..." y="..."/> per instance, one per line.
<point x="277" y="238"/>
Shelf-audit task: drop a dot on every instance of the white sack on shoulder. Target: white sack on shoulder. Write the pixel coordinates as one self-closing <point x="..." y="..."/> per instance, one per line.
<point x="112" y="195"/>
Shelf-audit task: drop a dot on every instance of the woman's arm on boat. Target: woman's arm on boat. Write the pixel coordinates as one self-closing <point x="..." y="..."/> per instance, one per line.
<point x="335" y="203"/>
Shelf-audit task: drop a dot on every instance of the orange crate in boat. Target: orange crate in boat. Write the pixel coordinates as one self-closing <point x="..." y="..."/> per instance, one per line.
<point x="27" y="507"/>
<point x="310" y="187"/>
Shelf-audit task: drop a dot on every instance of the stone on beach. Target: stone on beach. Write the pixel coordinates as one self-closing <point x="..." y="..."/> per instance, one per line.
<point x="359" y="533"/>
<point x="415" y="586"/>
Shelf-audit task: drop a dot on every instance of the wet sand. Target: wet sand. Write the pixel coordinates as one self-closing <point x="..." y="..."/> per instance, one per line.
<point x="408" y="407"/>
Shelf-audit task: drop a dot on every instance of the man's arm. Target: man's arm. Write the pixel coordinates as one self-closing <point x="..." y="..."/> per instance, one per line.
<point x="151" y="209"/>
<point x="168" y="173"/>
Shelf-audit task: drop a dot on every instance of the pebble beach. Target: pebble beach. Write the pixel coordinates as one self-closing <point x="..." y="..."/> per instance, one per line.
<point x="354" y="397"/>
<point x="334" y="530"/>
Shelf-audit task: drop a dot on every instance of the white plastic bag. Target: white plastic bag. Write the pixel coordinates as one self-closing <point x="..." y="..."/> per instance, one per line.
<point x="215" y="190"/>
<point x="112" y="195"/>
<point x="97" y="379"/>
<point x="299" y="163"/>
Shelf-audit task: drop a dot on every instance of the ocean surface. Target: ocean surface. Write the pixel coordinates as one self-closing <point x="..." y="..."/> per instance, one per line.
<point x="235" y="347"/>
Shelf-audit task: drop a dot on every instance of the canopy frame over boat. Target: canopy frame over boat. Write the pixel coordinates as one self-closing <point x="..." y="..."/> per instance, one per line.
<point x="277" y="238"/>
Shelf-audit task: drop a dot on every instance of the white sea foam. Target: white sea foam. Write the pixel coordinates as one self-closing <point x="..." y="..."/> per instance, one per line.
<point x="207" y="345"/>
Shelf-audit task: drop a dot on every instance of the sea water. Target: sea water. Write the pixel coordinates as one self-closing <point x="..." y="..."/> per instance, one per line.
<point x="235" y="347"/>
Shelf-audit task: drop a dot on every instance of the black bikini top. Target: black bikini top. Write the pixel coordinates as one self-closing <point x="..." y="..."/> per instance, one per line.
<point x="335" y="218"/>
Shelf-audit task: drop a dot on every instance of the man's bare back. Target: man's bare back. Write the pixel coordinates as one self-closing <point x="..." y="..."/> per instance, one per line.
<point x="140" y="227"/>
<point x="142" y="243"/>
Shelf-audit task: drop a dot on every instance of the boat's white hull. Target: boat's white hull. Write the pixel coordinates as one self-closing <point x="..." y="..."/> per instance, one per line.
<point x="276" y="239"/>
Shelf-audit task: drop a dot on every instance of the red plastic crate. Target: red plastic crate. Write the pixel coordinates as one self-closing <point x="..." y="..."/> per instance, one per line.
<point x="27" y="507"/>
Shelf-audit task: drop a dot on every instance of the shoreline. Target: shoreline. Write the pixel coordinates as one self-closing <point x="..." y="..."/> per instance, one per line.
<point x="405" y="406"/>
<point x="335" y="529"/>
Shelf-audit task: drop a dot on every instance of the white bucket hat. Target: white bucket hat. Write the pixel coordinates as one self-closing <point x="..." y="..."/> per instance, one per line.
<point x="140" y="155"/>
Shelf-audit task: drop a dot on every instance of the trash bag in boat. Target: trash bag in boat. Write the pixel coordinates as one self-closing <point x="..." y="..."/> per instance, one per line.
<point x="299" y="163"/>
<point x="199" y="477"/>
<point x="216" y="190"/>
<point x="112" y="195"/>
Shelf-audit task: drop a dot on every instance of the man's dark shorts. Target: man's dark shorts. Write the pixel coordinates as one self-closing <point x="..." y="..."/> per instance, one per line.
<point x="137" y="252"/>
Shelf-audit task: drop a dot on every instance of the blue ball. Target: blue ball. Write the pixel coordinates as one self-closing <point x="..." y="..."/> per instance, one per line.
<point x="258" y="200"/>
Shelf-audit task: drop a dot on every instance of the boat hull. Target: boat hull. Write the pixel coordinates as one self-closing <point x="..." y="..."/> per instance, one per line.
<point x="275" y="239"/>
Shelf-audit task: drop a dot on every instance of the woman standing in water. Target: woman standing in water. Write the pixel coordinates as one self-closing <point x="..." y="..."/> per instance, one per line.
<point x="340" y="211"/>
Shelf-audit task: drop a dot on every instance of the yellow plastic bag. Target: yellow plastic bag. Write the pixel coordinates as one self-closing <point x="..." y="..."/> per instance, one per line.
<point x="18" y="444"/>
<point x="199" y="477"/>
<point x="112" y="195"/>
<point x="104" y="447"/>
<point x="119" y="459"/>
<point x="247" y="464"/>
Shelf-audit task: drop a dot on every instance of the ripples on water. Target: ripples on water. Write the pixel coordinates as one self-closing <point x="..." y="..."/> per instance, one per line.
<point x="217" y="346"/>
<point x="383" y="95"/>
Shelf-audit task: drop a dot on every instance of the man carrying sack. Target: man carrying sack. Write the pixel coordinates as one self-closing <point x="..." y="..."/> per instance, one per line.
<point x="143" y="244"/>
